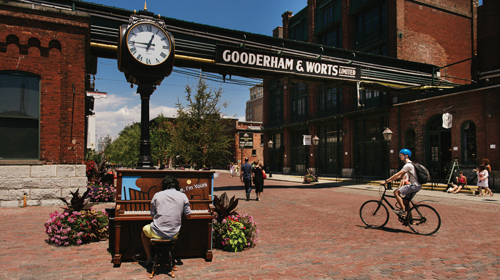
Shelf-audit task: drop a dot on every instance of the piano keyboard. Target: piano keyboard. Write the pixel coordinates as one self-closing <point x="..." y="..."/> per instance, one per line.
<point x="148" y="212"/>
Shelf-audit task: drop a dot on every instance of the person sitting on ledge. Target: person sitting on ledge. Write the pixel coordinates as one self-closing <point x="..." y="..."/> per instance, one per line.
<point x="167" y="208"/>
<point x="461" y="182"/>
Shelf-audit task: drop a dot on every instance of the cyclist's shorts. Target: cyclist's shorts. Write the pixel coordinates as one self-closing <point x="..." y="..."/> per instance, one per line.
<point x="409" y="189"/>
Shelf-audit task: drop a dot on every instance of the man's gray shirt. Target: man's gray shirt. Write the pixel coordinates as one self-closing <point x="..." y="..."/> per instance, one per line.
<point x="166" y="209"/>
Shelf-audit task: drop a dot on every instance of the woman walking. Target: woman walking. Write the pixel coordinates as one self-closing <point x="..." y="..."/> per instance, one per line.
<point x="258" y="179"/>
<point x="482" y="180"/>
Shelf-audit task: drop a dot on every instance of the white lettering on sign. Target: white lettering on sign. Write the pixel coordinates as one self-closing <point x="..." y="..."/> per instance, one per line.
<point x="275" y="62"/>
<point x="196" y="186"/>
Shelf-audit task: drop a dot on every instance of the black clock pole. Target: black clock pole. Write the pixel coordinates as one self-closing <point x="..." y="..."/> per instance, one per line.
<point x="145" y="161"/>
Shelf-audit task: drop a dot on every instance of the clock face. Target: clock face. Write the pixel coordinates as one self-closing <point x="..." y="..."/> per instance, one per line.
<point x="148" y="43"/>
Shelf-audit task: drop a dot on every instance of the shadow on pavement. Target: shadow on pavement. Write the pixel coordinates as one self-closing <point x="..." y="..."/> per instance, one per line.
<point x="272" y="186"/>
<point x="386" y="229"/>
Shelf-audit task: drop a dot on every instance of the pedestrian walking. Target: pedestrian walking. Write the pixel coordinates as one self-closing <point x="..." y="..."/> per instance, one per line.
<point x="232" y="169"/>
<point x="246" y="177"/>
<point x="482" y="180"/>
<point x="258" y="179"/>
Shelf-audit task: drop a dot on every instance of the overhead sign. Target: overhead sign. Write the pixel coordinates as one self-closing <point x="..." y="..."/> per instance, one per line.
<point x="273" y="62"/>
<point x="96" y="94"/>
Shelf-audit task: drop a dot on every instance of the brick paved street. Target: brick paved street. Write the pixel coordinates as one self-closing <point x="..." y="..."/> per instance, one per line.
<point x="306" y="232"/>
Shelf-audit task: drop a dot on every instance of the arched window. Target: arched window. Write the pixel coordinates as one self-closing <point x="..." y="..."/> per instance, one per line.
<point x="410" y="141"/>
<point x="469" y="145"/>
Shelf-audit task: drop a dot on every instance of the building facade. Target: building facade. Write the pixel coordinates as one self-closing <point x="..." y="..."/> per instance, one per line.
<point x="42" y="88"/>
<point x="349" y="121"/>
<point x="254" y="106"/>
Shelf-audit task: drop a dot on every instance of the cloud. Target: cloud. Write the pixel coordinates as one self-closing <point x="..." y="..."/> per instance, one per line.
<point x="111" y="122"/>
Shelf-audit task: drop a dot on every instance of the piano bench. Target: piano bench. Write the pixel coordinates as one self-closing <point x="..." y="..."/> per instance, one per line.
<point x="163" y="249"/>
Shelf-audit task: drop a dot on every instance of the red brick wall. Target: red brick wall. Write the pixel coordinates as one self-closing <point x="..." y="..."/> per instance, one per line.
<point x="438" y="33"/>
<point x="60" y="62"/>
<point x="472" y="106"/>
<point x="247" y="152"/>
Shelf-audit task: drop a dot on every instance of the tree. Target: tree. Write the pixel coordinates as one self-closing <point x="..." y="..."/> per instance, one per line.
<point x="161" y="138"/>
<point x="125" y="148"/>
<point x="200" y="134"/>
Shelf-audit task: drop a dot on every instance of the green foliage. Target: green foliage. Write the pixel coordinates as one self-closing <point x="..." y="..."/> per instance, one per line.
<point x="125" y="148"/>
<point x="236" y="237"/>
<point x="76" y="227"/>
<point x="91" y="155"/>
<point x="99" y="192"/>
<point x="78" y="203"/>
<point x="200" y="134"/>
<point x="225" y="207"/>
<point x="161" y="138"/>
<point x="235" y="233"/>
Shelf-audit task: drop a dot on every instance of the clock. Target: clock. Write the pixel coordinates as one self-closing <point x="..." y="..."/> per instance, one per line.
<point x="148" y="43"/>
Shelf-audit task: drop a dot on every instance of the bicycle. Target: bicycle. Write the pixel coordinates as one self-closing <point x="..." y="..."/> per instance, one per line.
<point x="421" y="218"/>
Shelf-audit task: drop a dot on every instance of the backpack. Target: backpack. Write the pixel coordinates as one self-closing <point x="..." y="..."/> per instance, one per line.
<point x="423" y="175"/>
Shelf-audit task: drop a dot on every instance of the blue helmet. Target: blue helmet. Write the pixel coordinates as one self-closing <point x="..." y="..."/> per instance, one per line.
<point x="405" y="152"/>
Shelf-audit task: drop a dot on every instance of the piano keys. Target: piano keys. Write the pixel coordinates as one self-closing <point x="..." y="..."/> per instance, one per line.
<point x="134" y="191"/>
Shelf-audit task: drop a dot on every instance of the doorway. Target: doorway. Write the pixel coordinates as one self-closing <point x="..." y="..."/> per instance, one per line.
<point x="438" y="150"/>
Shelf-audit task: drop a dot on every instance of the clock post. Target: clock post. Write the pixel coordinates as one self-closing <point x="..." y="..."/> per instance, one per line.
<point x="145" y="161"/>
<point x="146" y="57"/>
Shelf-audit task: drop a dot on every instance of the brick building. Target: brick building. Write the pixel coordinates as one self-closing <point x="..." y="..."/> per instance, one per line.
<point x="254" y="106"/>
<point x="42" y="88"/>
<point x="349" y="121"/>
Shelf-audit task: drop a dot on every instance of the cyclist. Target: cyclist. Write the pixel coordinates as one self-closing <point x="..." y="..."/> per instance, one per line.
<point x="407" y="190"/>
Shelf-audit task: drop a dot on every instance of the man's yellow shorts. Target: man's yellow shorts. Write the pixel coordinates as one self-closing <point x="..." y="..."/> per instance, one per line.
<point x="148" y="231"/>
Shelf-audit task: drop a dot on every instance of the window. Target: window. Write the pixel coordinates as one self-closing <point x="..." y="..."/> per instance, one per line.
<point x="296" y="33"/>
<point x="254" y="153"/>
<point x="275" y="103"/>
<point x="327" y="14"/>
<point x="19" y="115"/>
<point x="410" y="141"/>
<point x="370" y="26"/>
<point x="333" y="38"/>
<point x="372" y="98"/>
<point x="299" y="101"/>
<point x="329" y="101"/>
<point x="469" y="145"/>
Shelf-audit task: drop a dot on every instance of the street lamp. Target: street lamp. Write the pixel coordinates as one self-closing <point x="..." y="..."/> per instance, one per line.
<point x="243" y="146"/>
<point x="315" y="141"/>
<point x="387" y="137"/>
<point x="270" y="145"/>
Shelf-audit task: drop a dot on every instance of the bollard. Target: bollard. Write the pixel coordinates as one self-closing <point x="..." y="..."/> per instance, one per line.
<point x="24" y="200"/>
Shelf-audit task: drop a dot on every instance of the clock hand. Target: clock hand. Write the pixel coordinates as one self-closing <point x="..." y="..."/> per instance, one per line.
<point x="133" y="42"/>
<point x="149" y="43"/>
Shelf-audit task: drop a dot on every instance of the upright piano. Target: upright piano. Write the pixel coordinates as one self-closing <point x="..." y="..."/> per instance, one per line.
<point x="134" y="191"/>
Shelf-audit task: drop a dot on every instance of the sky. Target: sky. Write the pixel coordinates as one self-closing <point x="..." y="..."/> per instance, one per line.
<point x="123" y="105"/>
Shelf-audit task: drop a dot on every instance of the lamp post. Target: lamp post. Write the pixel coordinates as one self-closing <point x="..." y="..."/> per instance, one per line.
<point x="270" y="145"/>
<point x="242" y="146"/>
<point x="387" y="137"/>
<point x="315" y="141"/>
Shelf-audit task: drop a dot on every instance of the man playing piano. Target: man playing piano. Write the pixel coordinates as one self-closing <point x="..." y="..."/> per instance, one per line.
<point x="167" y="208"/>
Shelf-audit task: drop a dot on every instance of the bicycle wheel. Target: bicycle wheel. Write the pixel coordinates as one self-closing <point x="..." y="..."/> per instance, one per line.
<point x="374" y="214"/>
<point x="423" y="219"/>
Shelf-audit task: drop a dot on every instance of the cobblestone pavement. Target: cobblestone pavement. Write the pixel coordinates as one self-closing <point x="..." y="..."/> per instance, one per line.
<point x="305" y="232"/>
